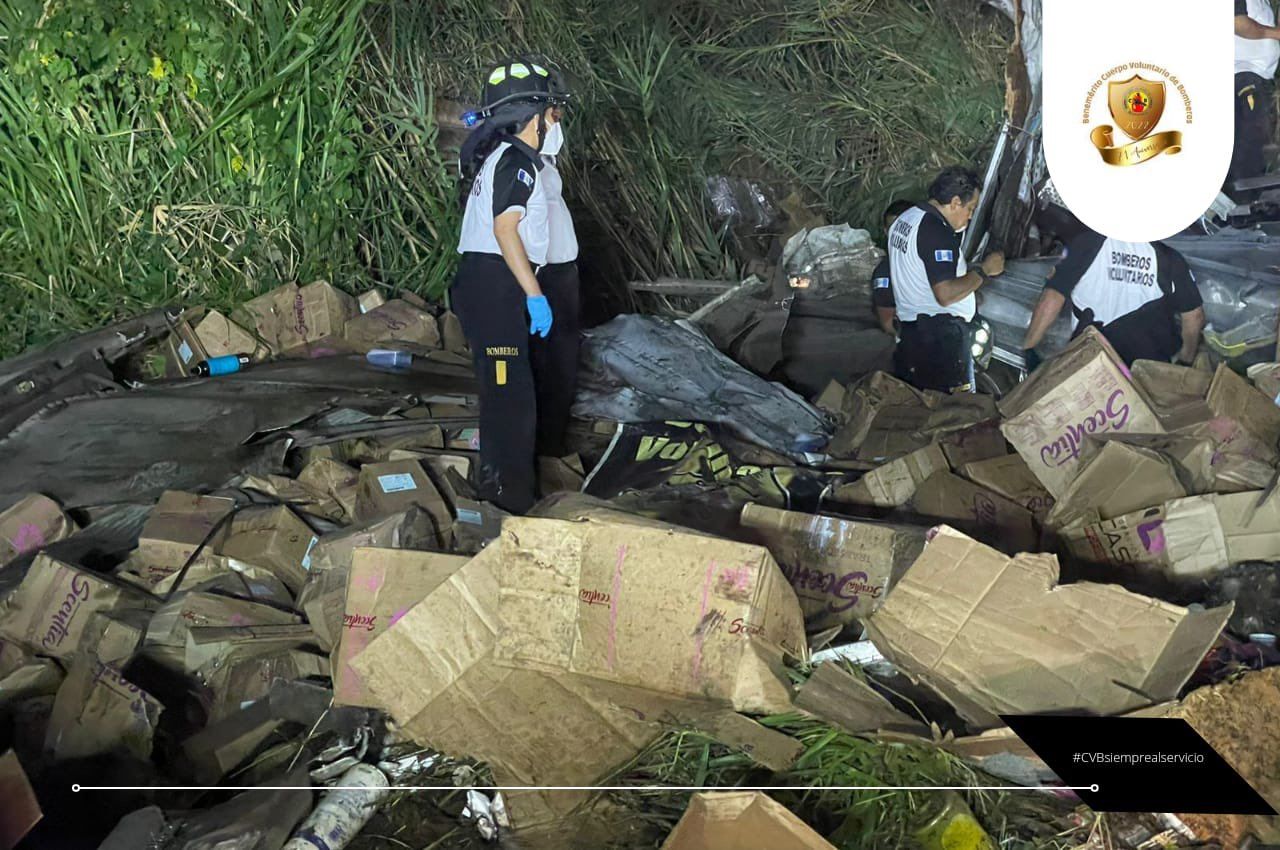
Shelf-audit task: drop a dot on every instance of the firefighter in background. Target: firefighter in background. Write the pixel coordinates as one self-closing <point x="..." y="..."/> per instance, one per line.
<point x="933" y="287"/>
<point x="882" y="279"/>
<point x="515" y="292"/>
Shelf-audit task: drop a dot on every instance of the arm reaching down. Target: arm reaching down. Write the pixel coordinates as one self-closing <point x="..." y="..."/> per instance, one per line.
<point x="1043" y="316"/>
<point x="1192" y="325"/>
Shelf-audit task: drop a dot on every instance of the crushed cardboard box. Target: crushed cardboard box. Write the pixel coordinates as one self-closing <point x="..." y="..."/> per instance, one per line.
<point x="396" y="321"/>
<point x="1232" y="396"/>
<point x="50" y="610"/>
<point x="274" y="538"/>
<point x="244" y="678"/>
<point x="318" y="314"/>
<point x="182" y="349"/>
<point x="296" y="493"/>
<point x="998" y="635"/>
<point x="169" y="626"/>
<point x="1193" y="455"/>
<point x="224" y="643"/>
<point x="1177" y="393"/>
<point x="335" y="480"/>
<point x="987" y="515"/>
<point x="177" y="525"/>
<point x="99" y="711"/>
<point x="31" y="524"/>
<point x="848" y="703"/>
<point x="893" y="484"/>
<point x="24" y="675"/>
<point x="528" y="725"/>
<point x="1010" y="476"/>
<point x="383" y="585"/>
<point x="1082" y="391"/>
<point x="595" y="598"/>
<point x="114" y="636"/>
<point x="974" y="444"/>
<point x="737" y="820"/>
<point x="1185" y="540"/>
<point x="264" y="314"/>
<point x="840" y="569"/>
<point x="219" y="337"/>
<point x="1120" y="479"/>
<point x="451" y="333"/>
<point x="412" y="528"/>
<point x="208" y="571"/>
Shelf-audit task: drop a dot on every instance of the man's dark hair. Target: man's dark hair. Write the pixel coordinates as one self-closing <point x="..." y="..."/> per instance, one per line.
<point x="954" y="182"/>
<point x="896" y="209"/>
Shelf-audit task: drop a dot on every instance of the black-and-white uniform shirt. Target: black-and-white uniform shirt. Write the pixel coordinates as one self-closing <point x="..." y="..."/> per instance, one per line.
<point x="1131" y="291"/>
<point x="924" y="250"/>
<point x="510" y="179"/>
<point x="882" y="285"/>
<point x="562" y="245"/>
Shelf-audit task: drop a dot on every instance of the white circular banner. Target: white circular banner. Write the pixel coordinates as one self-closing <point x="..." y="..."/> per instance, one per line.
<point x="1138" y="111"/>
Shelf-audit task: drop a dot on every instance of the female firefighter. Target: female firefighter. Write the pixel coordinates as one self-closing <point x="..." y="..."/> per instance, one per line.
<point x="516" y="290"/>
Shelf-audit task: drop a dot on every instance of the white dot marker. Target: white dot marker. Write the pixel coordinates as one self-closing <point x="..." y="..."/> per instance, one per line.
<point x="1094" y="788"/>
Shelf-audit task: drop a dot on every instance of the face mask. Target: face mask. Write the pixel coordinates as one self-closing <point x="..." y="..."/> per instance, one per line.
<point x="553" y="141"/>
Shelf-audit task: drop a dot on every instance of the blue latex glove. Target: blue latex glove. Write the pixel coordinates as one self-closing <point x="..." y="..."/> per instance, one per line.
<point x="539" y="315"/>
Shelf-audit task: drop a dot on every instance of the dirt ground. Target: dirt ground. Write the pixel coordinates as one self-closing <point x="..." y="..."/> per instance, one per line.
<point x="1238" y="719"/>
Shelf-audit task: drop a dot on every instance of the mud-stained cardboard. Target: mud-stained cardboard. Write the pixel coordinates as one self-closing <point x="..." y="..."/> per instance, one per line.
<point x="1120" y="479"/>
<point x="946" y="497"/>
<point x="176" y="526"/>
<point x="1084" y="390"/>
<point x="336" y="480"/>
<point x="393" y="487"/>
<point x="396" y="321"/>
<point x="998" y="635"/>
<point x="1009" y="476"/>
<point x="893" y="484"/>
<point x="318" y="312"/>
<point x="274" y="538"/>
<point x="840" y="569"/>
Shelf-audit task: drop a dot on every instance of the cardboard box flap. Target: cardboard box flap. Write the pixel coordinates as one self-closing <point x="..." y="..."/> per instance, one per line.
<point x="977" y="510"/>
<point x="30" y="524"/>
<point x="1087" y="346"/>
<point x="836" y="697"/>
<point x="1193" y="456"/>
<point x="1232" y="396"/>
<point x="1251" y="525"/>
<point x="1009" y="476"/>
<point x="734" y="820"/>
<point x="598" y="598"/>
<point x="998" y="635"/>
<point x="893" y="484"/>
<point x="1120" y="479"/>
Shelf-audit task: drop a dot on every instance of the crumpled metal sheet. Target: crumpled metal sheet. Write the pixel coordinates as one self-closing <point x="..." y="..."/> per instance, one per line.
<point x="645" y="369"/>
<point x="129" y="446"/>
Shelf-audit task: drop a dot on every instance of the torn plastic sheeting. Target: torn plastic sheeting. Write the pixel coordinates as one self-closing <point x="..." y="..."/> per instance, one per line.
<point x="1236" y="274"/>
<point x="130" y="446"/>
<point x="644" y="369"/>
<point x="742" y="202"/>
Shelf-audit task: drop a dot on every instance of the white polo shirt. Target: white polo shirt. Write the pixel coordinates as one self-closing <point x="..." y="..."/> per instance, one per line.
<point x="510" y="179"/>
<point x="562" y="246"/>
<point x="924" y="250"/>
<point x="1258" y="56"/>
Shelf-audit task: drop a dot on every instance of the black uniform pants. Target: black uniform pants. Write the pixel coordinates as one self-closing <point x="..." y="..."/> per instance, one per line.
<point x="518" y="374"/>
<point x="1253" y="125"/>
<point x="935" y="353"/>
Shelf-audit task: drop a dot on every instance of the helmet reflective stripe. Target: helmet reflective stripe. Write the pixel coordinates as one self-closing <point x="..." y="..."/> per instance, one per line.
<point x="540" y="71"/>
<point x="498" y="75"/>
<point x="519" y="70"/>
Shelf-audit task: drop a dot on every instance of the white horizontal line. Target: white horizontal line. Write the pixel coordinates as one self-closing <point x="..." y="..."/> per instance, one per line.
<point x="505" y="788"/>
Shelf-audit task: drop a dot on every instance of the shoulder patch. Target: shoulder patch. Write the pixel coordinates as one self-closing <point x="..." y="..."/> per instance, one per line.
<point x="944" y="256"/>
<point x="882" y="283"/>
<point x="525" y="177"/>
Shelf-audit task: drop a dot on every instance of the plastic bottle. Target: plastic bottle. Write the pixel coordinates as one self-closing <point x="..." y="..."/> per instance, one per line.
<point x="343" y="812"/>
<point x="224" y="365"/>
<point x="389" y="359"/>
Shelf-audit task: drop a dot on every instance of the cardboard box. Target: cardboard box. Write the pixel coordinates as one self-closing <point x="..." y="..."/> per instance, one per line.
<point x="324" y="602"/>
<point x="736" y="820"/>
<point x="451" y="333"/>
<point x="371" y="299"/>
<point x="99" y="711"/>
<point x="219" y="337"/>
<point x="170" y="625"/>
<point x="1010" y="476"/>
<point x="840" y="569"/>
<point x="383" y="585"/>
<point x="998" y="635"/>
<point x="226" y="643"/>
<point x="946" y="497"/>
<point x="23" y="675"/>
<point x="1177" y="393"/>
<point x="831" y="399"/>
<point x="410" y="529"/>
<point x="848" y="703"/>
<point x="1185" y="540"/>
<point x="1120" y="479"/>
<point x="244" y="679"/>
<point x="232" y="576"/>
<point x="51" y="608"/>
<point x="31" y="524"/>
<point x="318" y="313"/>
<point x="394" y="321"/>
<point x="264" y="314"/>
<point x="593" y="598"/>
<point x="274" y="538"/>
<point x="175" y="527"/>
<point x="893" y="484"/>
<point x="336" y="480"/>
<point x="1082" y="391"/>
<point x="391" y="488"/>
<point x="560" y="475"/>
<point x="528" y="725"/>
<point x="182" y="348"/>
<point x="296" y="494"/>
<point x="1192" y="456"/>
<point x="1233" y="397"/>
<point x="976" y="443"/>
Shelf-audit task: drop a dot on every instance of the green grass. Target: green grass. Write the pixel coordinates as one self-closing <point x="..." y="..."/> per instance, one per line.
<point x="203" y="152"/>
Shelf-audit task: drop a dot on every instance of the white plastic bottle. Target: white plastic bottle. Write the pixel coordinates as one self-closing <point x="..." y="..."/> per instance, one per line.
<point x="343" y="812"/>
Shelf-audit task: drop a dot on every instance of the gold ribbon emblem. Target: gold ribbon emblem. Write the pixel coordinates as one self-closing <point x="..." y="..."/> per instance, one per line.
<point x="1103" y="139"/>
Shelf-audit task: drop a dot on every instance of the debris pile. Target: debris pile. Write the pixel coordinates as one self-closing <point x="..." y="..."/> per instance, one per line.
<point x="309" y="595"/>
